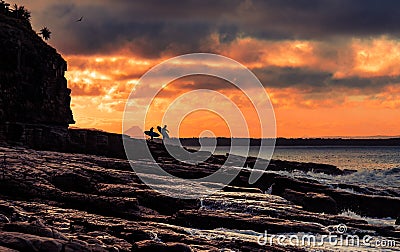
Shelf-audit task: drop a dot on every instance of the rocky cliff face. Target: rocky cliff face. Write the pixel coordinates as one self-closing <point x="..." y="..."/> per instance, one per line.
<point x="34" y="98"/>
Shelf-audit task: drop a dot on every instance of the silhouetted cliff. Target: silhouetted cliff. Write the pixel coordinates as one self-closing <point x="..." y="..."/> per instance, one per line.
<point x="34" y="98"/>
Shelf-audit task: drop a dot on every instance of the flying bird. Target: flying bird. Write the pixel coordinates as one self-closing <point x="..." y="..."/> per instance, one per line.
<point x="79" y="20"/>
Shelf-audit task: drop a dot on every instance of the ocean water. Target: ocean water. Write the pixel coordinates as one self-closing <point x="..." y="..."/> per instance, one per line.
<point x="344" y="157"/>
<point x="377" y="167"/>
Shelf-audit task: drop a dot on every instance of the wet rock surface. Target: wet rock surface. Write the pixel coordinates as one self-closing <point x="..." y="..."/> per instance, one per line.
<point x="52" y="201"/>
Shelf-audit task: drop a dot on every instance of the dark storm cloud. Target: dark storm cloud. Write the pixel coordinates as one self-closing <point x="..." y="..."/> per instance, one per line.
<point x="286" y="77"/>
<point x="313" y="80"/>
<point x="316" y="19"/>
<point x="147" y="28"/>
<point x="151" y="28"/>
<point x="202" y="82"/>
<point x="289" y="76"/>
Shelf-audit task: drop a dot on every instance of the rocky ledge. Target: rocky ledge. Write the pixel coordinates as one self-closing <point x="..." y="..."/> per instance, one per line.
<point x="52" y="201"/>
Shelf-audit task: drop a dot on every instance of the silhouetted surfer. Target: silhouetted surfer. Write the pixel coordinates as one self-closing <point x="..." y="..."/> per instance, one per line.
<point x="164" y="131"/>
<point x="151" y="133"/>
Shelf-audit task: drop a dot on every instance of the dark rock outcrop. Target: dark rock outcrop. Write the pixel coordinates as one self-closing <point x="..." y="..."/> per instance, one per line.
<point x="34" y="98"/>
<point x="4" y="219"/>
<point x="314" y="202"/>
<point x="365" y="204"/>
<point x="319" y="202"/>
<point x="38" y="229"/>
<point x="281" y="165"/>
<point x="73" y="182"/>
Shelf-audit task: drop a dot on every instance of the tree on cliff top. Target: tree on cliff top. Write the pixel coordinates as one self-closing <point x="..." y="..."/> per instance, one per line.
<point x="45" y="32"/>
<point x="4" y="7"/>
<point x="18" y="12"/>
<point x="21" y="13"/>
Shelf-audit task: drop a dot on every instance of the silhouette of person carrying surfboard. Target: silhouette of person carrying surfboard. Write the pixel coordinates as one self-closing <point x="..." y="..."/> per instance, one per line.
<point x="164" y="132"/>
<point x="151" y="133"/>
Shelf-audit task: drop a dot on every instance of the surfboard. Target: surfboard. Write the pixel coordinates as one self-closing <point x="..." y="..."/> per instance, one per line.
<point x="151" y="133"/>
<point x="159" y="129"/>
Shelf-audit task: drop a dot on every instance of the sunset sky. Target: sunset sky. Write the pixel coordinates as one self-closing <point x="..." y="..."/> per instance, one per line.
<point x="331" y="67"/>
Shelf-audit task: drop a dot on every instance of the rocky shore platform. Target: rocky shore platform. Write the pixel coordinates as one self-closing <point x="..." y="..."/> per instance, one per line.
<point x="52" y="201"/>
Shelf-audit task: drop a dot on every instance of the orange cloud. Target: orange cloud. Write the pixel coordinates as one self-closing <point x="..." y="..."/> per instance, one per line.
<point x="255" y="53"/>
<point x="376" y="57"/>
<point x="101" y="85"/>
<point x="372" y="57"/>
